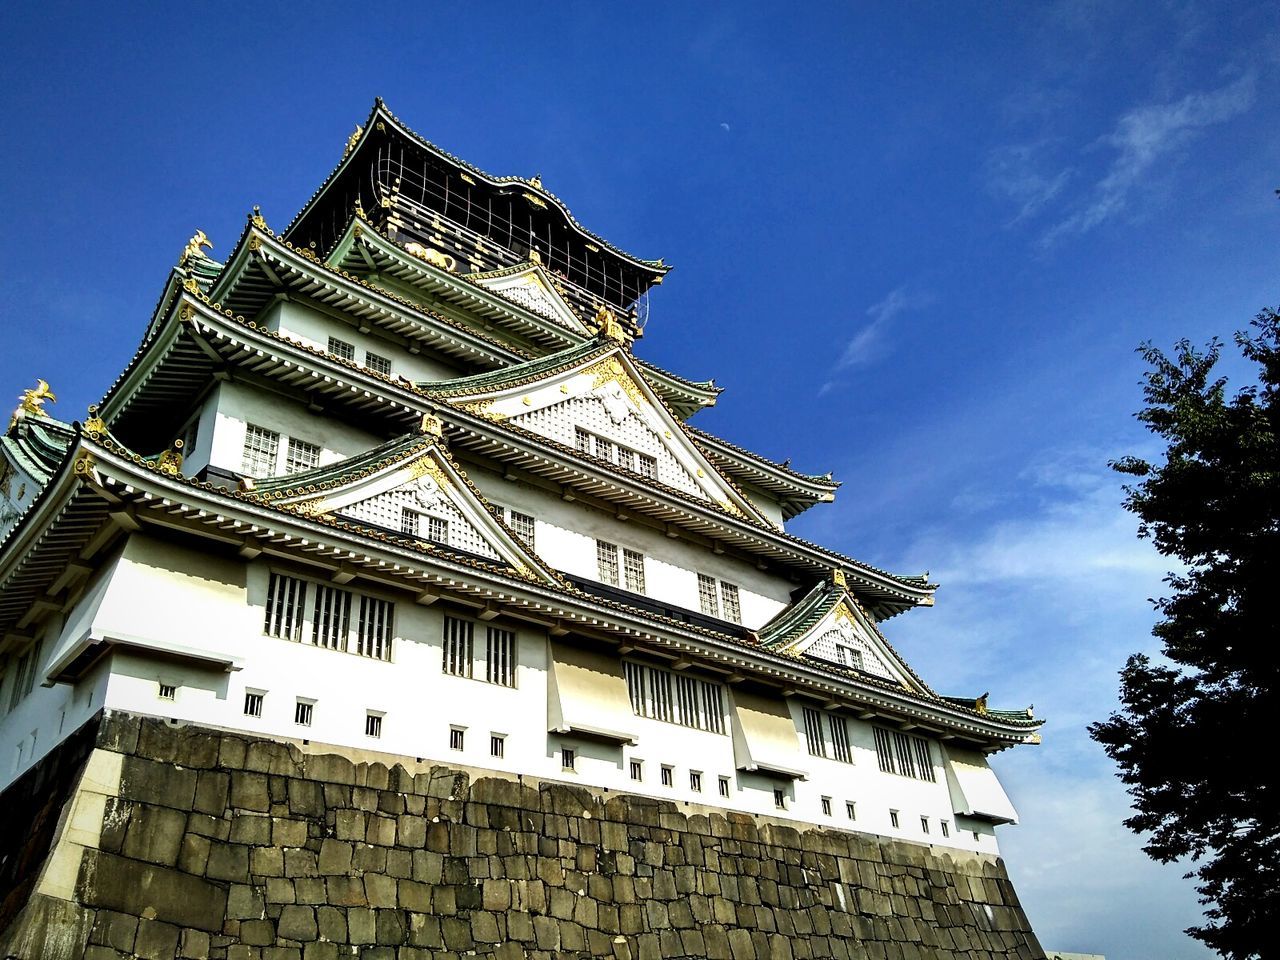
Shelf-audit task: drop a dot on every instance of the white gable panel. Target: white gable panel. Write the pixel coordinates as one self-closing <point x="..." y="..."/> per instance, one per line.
<point x="423" y="498"/>
<point x="529" y="288"/>
<point x="843" y="634"/>
<point x="607" y="413"/>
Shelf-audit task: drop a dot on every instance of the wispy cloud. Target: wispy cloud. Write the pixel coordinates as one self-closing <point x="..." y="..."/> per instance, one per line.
<point x="1145" y="136"/>
<point x="1017" y="171"/>
<point x="869" y="343"/>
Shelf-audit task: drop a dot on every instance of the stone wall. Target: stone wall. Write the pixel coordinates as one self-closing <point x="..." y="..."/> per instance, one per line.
<point x="188" y="842"/>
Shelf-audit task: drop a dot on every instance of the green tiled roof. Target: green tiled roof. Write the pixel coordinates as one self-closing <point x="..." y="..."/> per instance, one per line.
<point x="516" y="373"/>
<point x="344" y="471"/>
<point x="37" y="444"/>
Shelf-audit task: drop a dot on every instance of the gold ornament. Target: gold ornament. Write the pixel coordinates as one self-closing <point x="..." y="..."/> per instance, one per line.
<point x="192" y="249"/>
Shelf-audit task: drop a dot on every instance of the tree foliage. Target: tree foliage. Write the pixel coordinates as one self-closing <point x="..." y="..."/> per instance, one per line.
<point x="1196" y="736"/>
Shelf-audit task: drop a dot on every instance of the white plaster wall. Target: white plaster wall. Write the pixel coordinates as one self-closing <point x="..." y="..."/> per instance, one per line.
<point x="236" y="404"/>
<point x="195" y="599"/>
<point x="566" y="533"/>
<point x="314" y="328"/>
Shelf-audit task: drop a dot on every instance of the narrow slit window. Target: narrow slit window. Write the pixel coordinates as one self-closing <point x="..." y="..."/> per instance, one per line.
<point x="893" y="818"/>
<point x="695" y="781"/>
<point x="668" y="776"/>
<point x="637" y="770"/>
<point x="779" y="798"/>
<point x="458" y="638"/>
<point x="330" y="617"/>
<point x="568" y="757"/>
<point x="500" y="657"/>
<point x="826" y="806"/>
<point x="851" y="810"/>
<point x="724" y="787"/>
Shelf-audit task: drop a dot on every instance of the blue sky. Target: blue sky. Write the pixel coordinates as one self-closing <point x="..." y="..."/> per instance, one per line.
<point x="916" y="243"/>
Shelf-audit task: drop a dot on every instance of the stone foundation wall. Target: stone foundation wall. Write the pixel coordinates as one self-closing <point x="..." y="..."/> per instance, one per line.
<point x="195" y="843"/>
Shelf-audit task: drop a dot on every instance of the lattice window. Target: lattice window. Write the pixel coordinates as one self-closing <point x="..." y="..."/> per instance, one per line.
<point x="377" y="364"/>
<point x="523" y="525"/>
<point x="813" y="732"/>
<point x="707" y="599"/>
<point x="388" y="510"/>
<point x="633" y="569"/>
<point x="674" y="697"/>
<point x="731" y="603"/>
<point x="627" y="459"/>
<point x="261" y="448"/>
<point x="301" y="456"/>
<point x="843" y="645"/>
<point x="500" y="657"/>
<point x="842" y="750"/>
<point x="409" y="521"/>
<point x="330" y="617"/>
<point x="607" y="562"/>
<point x="904" y="754"/>
<point x="647" y="466"/>
<point x="24" y="677"/>
<point x="438" y="530"/>
<point x="849" y="656"/>
<point x="342" y="349"/>
<point x="373" y="629"/>
<point x="458" y="642"/>
<point x="582" y="440"/>
<point x="286" y="603"/>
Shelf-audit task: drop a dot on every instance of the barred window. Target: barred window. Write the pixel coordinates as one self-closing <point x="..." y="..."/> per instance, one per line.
<point x="946" y="827"/>
<point x="627" y="459"/>
<point x="583" y="440"/>
<point x="633" y="568"/>
<point x="458" y="636"/>
<point x="340" y="348"/>
<point x="457" y="738"/>
<point x="674" y="697"/>
<point x="731" y="604"/>
<point x="779" y="798"/>
<point x="372" y="724"/>
<point x="633" y="461"/>
<point x="438" y="530"/>
<point x="377" y="364"/>
<point x="261" y="447"/>
<point x="904" y="754"/>
<point x="409" y="521"/>
<point x="301" y="456"/>
<point x="302" y="712"/>
<point x="637" y="770"/>
<point x="373" y="631"/>
<point x="647" y="466"/>
<point x="724" y="786"/>
<point x="497" y="745"/>
<point x="286" y="601"/>
<point x="668" y="776"/>
<point x="851" y="810"/>
<point x="605" y="449"/>
<point x="695" y="781"/>
<point x="253" y="704"/>
<point x="707" y="595"/>
<point x="500" y="657"/>
<point x="826" y="806"/>
<point x="568" y="757"/>
<point x="168" y="691"/>
<point x="813" y="732"/>
<point x="842" y="750"/>
<point x="607" y="562"/>
<point x="849" y="656"/>
<point x="331" y="617"/>
<point x="523" y="526"/>
<point x="893" y="818"/>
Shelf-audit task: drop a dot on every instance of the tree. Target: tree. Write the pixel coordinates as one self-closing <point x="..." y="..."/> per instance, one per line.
<point x="1195" y="738"/>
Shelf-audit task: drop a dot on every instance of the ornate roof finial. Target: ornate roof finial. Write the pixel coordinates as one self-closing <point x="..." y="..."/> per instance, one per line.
<point x="94" y="425"/>
<point x="607" y="325"/>
<point x="431" y="426"/>
<point x="257" y="219"/>
<point x="192" y="249"/>
<point x="536" y="180"/>
<point x="535" y="256"/>
<point x="353" y="140"/>
<point x="31" y="402"/>
<point x="170" y="462"/>
<point x="838" y="577"/>
<point x="981" y="703"/>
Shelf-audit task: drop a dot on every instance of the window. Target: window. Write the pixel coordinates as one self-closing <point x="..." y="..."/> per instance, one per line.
<point x="260" y="449"/>
<point x="457" y="646"/>
<point x="674" y="697"/>
<point x="724" y="787"/>
<point x="497" y="745"/>
<point x="377" y="364"/>
<point x="946" y="827"/>
<point x="253" y="704"/>
<point x="168" y="691"/>
<point x="438" y="530"/>
<point x="301" y="456"/>
<point x="637" y="770"/>
<point x="372" y="724"/>
<point x="779" y="798"/>
<point x="841" y="748"/>
<point x="457" y="738"/>
<point x="24" y="677"/>
<point x="695" y="781"/>
<point x="409" y="521"/>
<point x="976" y="838"/>
<point x="302" y="712"/>
<point x="607" y="562"/>
<point x="849" y="656"/>
<point x="730" y="603"/>
<point x="903" y="754"/>
<point x="924" y="824"/>
<point x="373" y="630"/>
<point x="813" y="732"/>
<point x="633" y="569"/>
<point x="893" y="818"/>
<point x="500" y="657"/>
<point x="286" y="600"/>
<point x="826" y="806"/>
<point x="340" y="348"/>
<point x="668" y="776"/>
<point x="330" y="617"/>
<point x="851" y="810"/>
<point x="522" y="524"/>
<point x="633" y="461"/>
<point x="567" y="758"/>
<point x="707" y="595"/>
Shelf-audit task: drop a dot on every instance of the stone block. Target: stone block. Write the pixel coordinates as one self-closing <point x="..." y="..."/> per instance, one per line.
<point x="350" y="825"/>
<point x="390" y="927"/>
<point x="297" y="923"/>
<point x="335" y="857"/>
<point x="194" y="945"/>
<point x="156" y="940"/>
<point x="257" y="933"/>
<point x="245" y="902"/>
<point x="249" y="791"/>
<point x="115" y="930"/>
<point x="228" y="861"/>
<point x="266" y="861"/>
<point x="362" y="926"/>
<point x="128" y="886"/>
<point x="160" y="784"/>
